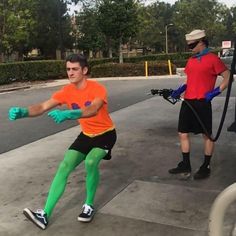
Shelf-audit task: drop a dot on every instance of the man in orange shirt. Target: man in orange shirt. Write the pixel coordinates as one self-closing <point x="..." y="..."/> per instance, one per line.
<point x="87" y="103"/>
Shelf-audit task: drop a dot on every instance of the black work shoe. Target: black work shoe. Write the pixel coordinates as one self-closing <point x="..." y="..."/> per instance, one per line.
<point x="39" y="217"/>
<point x="182" y="168"/>
<point x="202" y="173"/>
<point x="87" y="213"/>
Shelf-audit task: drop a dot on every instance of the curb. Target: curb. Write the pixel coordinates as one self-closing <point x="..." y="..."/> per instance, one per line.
<point x="65" y="81"/>
<point x="14" y="88"/>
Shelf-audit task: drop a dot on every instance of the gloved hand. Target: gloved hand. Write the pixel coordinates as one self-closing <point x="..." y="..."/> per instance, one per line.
<point x="61" y="115"/>
<point x="176" y="93"/>
<point x="17" y="113"/>
<point x="210" y="95"/>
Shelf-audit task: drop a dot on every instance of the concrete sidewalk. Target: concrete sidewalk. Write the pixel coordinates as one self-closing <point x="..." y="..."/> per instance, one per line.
<point x="136" y="195"/>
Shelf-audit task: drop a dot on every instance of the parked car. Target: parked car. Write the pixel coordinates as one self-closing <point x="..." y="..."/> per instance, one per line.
<point x="227" y="58"/>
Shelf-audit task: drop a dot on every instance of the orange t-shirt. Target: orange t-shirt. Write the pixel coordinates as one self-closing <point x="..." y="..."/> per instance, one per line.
<point x="76" y="98"/>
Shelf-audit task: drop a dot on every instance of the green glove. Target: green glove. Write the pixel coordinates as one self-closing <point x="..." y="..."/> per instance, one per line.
<point x="17" y="113"/>
<point x="59" y="116"/>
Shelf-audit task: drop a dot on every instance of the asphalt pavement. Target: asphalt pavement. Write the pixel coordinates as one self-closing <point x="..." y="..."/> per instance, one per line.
<point x="136" y="195"/>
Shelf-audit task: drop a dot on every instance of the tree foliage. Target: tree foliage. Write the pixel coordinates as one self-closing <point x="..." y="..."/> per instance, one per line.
<point x="104" y="25"/>
<point x="52" y="28"/>
<point x="200" y="14"/>
<point x="118" y="20"/>
<point x="87" y="33"/>
<point x="43" y="24"/>
<point x="153" y="20"/>
<point x="16" y="23"/>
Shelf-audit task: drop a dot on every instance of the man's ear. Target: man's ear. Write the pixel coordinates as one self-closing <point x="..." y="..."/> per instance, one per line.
<point x="85" y="70"/>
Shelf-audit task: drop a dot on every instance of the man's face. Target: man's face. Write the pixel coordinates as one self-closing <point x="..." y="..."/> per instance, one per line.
<point x="194" y="46"/>
<point x="75" y="72"/>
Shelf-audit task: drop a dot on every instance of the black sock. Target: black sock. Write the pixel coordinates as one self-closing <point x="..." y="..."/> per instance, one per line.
<point x="207" y="161"/>
<point x="186" y="158"/>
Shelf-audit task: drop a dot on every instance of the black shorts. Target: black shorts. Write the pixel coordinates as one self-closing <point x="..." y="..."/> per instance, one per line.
<point x="85" y="144"/>
<point x="188" y="121"/>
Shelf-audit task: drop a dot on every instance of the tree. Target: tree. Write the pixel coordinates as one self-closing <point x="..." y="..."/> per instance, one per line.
<point x="118" y="20"/>
<point x="230" y="22"/>
<point x="199" y="14"/>
<point x="153" y="19"/>
<point x="16" y="24"/>
<point x="53" y="27"/>
<point x="88" y="34"/>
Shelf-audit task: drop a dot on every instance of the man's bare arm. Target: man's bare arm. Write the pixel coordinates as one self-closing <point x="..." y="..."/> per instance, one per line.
<point x="93" y="109"/>
<point x="225" y="81"/>
<point x="40" y="108"/>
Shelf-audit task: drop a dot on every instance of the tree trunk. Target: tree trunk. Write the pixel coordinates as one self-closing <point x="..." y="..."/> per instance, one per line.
<point x="120" y="52"/>
<point x="110" y="52"/>
<point x="2" y="57"/>
<point x="58" y="54"/>
<point x="109" y="47"/>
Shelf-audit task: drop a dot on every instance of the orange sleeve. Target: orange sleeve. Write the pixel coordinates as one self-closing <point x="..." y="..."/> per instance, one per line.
<point x="100" y="92"/>
<point x="60" y="96"/>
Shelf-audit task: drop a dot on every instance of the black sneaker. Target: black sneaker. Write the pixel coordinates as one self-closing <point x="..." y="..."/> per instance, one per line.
<point x="39" y="217"/>
<point x="182" y="168"/>
<point x="202" y="173"/>
<point x="87" y="213"/>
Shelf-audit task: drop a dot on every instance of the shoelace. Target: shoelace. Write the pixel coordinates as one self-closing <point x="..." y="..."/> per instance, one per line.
<point x="41" y="214"/>
<point x="87" y="209"/>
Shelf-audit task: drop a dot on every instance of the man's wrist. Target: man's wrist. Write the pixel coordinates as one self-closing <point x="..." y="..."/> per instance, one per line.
<point x="74" y="114"/>
<point x="218" y="89"/>
<point x="24" y="112"/>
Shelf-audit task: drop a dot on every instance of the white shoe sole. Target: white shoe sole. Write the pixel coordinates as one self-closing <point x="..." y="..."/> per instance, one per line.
<point x="29" y="215"/>
<point x="85" y="220"/>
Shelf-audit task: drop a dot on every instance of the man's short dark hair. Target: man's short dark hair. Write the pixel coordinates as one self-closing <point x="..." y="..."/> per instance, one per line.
<point x="81" y="59"/>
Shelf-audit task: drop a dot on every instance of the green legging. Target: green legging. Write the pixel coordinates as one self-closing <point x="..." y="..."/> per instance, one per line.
<point x="71" y="160"/>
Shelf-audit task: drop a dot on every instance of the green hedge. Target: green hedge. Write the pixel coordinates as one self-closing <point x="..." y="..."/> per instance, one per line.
<point x="55" y="69"/>
<point x="159" y="57"/>
<point x="152" y="57"/>
<point x="108" y="67"/>
<point x="179" y="63"/>
<point x="131" y="69"/>
<point x="32" y="70"/>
